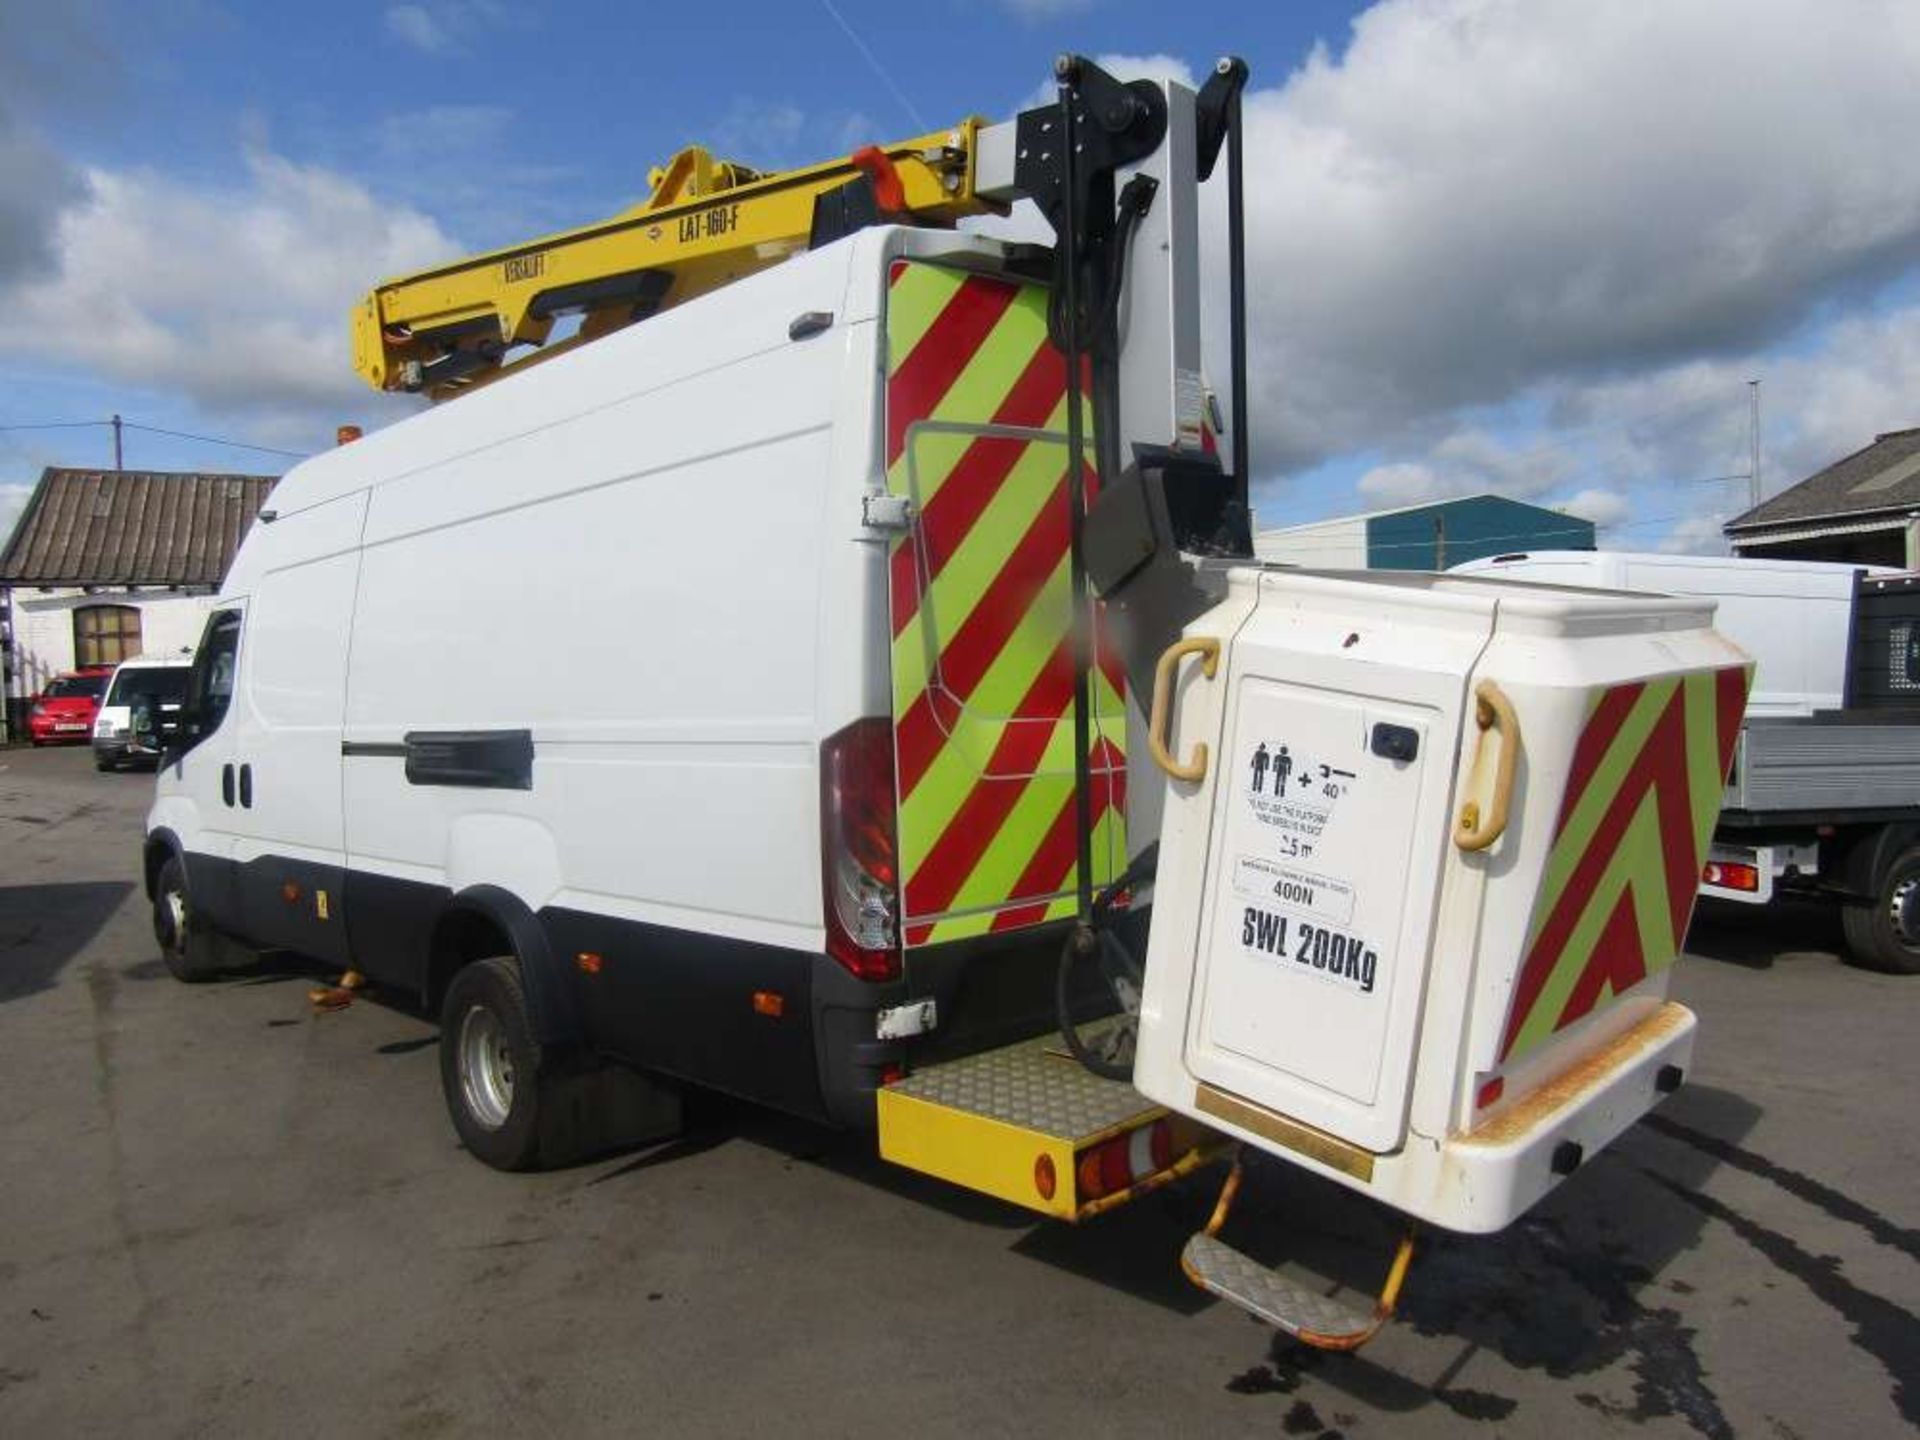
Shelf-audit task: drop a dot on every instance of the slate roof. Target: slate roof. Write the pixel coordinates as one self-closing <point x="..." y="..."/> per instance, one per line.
<point x="1884" y="476"/>
<point x="131" y="527"/>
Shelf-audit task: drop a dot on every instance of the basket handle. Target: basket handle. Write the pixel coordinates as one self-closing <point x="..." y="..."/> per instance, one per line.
<point x="1163" y="681"/>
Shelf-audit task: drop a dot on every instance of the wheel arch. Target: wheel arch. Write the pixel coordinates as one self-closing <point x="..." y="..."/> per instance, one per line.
<point x="1870" y="852"/>
<point x="160" y="846"/>
<point x="485" y="920"/>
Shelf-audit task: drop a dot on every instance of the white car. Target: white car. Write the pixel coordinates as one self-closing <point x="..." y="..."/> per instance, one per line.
<point x="141" y="708"/>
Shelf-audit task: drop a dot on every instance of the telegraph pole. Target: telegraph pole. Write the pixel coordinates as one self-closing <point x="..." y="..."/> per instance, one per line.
<point x="1753" y="471"/>
<point x="116" y="443"/>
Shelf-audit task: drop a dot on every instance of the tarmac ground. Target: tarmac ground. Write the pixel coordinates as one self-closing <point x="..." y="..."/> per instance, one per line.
<point x="223" y="1215"/>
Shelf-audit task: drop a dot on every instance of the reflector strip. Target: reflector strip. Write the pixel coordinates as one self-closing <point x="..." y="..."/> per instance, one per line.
<point x="981" y="614"/>
<point x="1645" y="786"/>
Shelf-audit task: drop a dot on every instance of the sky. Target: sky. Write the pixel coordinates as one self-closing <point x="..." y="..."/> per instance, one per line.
<point x="1535" y="247"/>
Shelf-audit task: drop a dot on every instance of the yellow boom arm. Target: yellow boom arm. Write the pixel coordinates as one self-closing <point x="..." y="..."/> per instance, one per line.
<point x="707" y="222"/>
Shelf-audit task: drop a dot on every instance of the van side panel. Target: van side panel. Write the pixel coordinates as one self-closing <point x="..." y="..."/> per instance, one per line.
<point x="634" y="592"/>
<point x="651" y="626"/>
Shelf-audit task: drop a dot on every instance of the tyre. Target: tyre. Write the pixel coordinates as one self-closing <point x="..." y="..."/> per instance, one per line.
<point x="104" y="765"/>
<point x="518" y="1105"/>
<point x="490" y="1065"/>
<point x="1886" y="934"/>
<point x="190" y="951"/>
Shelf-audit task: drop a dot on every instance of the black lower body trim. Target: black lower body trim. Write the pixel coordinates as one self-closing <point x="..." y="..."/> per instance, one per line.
<point x="787" y="1028"/>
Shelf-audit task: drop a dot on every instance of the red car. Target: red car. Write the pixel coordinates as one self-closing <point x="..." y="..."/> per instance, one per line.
<point x="65" y="710"/>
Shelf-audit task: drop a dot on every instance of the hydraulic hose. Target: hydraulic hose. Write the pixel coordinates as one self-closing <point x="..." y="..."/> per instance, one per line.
<point x="1097" y="936"/>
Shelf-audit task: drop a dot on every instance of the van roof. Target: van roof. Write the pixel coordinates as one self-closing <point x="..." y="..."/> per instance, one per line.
<point x="1597" y="558"/>
<point x="183" y="660"/>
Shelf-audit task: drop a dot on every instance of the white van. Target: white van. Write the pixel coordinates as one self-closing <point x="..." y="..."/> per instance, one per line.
<point x="1792" y="616"/>
<point x="140" y="711"/>
<point x="634" y="674"/>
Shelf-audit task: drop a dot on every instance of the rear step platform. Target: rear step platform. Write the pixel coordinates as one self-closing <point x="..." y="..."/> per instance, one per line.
<point x="1337" y="1321"/>
<point x="1029" y="1124"/>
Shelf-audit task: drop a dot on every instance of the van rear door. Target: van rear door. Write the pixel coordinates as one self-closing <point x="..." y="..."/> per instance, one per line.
<point x="980" y="607"/>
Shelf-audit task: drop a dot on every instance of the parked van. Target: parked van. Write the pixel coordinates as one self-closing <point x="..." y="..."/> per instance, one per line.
<point x="623" y="716"/>
<point x="140" y="713"/>
<point x="1792" y="616"/>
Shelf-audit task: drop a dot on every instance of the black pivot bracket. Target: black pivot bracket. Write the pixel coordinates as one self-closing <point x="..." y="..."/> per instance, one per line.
<point x="1065" y="156"/>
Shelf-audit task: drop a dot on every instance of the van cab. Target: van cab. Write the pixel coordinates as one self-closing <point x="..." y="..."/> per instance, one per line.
<point x="140" y="710"/>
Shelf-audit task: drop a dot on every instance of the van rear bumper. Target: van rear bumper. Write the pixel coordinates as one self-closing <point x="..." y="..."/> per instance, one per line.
<point x="1493" y="1174"/>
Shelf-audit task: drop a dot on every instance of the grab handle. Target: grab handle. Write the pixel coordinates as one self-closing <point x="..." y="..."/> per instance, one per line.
<point x="1479" y="826"/>
<point x="1163" y="681"/>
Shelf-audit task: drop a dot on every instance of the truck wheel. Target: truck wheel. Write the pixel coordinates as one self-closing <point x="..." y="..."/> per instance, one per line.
<point x="1886" y="934"/>
<point x="490" y="1065"/>
<point x="190" y="952"/>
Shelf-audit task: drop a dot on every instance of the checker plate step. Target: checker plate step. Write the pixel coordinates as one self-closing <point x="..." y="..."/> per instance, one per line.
<point x="1015" y="1123"/>
<point x="1035" y="1086"/>
<point x="1276" y="1298"/>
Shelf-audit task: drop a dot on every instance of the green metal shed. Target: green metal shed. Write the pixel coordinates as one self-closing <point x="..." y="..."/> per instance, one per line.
<point x="1432" y="536"/>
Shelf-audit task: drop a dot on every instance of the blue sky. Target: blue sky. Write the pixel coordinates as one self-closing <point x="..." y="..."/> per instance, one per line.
<point x="1532" y="246"/>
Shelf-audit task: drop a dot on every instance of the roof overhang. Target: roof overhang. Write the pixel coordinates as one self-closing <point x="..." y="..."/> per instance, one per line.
<point x="1815" y="532"/>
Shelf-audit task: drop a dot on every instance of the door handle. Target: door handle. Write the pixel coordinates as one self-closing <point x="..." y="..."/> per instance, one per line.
<point x="246" y="786"/>
<point x="226" y="783"/>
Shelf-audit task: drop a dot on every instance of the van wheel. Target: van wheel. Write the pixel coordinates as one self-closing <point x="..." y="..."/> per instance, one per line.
<point x="1886" y="934"/>
<point x="491" y="1066"/>
<point x="190" y="952"/>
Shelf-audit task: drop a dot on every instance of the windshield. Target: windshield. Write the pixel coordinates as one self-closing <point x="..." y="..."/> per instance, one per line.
<point x="167" y="682"/>
<point x="69" y="687"/>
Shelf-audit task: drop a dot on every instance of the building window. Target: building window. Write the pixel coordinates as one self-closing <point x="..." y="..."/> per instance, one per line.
<point x="105" y="634"/>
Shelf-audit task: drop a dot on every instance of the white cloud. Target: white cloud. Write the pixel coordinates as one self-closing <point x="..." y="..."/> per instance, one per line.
<point x="235" y="298"/>
<point x="460" y="164"/>
<point x="443" y="27"/>
<point x="1482" y="199"/>
<point x="35" y="184"/>
<point x="1404" y="482"/>
<point x="1479" y="195"/>
<point x="1469" y="462"/>
<point x="766" y="134"/>
<point x="1695" y="535"/>
<point x="1662" y="456"/>
<point x="415" y="26"/>
<point x="1603" y="507"/>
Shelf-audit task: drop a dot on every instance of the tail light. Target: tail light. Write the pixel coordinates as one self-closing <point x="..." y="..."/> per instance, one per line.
<point x="1731" y="875"/>
<point x="858" y="850"/>
<point x="1126" y="1160"/>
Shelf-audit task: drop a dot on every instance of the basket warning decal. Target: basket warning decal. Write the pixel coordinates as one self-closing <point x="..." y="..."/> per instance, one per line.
<point x="1642" y="797"/>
